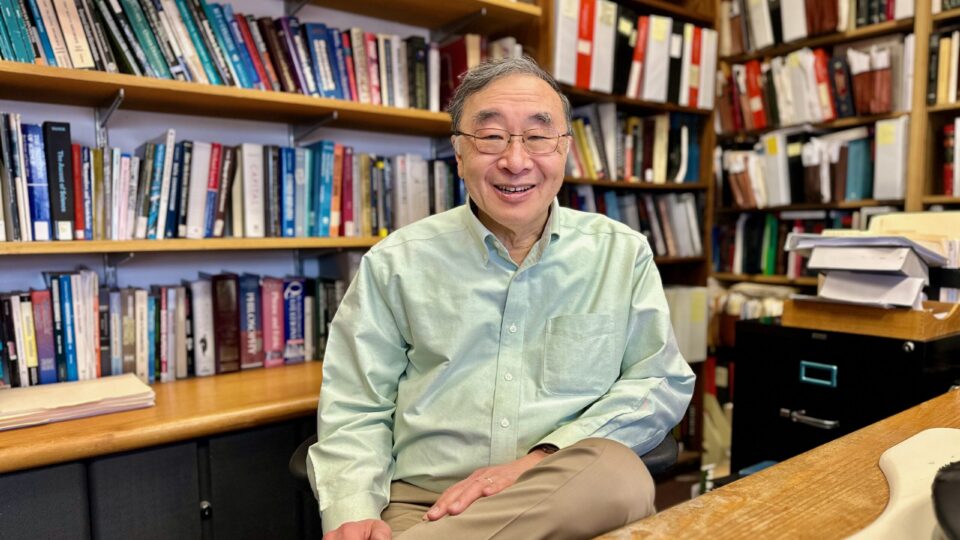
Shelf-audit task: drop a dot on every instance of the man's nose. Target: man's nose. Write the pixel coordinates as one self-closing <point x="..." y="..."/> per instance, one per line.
<point x="515" y="158"/>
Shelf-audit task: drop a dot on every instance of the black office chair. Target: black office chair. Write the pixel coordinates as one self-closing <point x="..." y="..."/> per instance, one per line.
<point x="658" y="461"/>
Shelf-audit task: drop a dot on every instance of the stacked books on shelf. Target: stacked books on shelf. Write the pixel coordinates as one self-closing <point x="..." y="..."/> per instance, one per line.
<point x="670" y="221"/>
<point x="611" y="145"/>
<point x="606" y="47"/>
<point x="816" y="86"/>
<point x="943" y="63"/>
<point x="78" y="330"/>
<point x="747" y="25"/>
<point x="950" y="180"/>
<point x="199" y="41"/>
<point x="51" y="188"/>
<point x="796" y="166"/>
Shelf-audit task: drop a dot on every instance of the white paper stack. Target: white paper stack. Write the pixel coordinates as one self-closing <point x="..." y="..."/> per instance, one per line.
<point x="23" y="407"/>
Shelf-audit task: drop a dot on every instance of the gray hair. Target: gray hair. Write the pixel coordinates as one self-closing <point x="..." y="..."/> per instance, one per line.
<point x="479" y="77"/>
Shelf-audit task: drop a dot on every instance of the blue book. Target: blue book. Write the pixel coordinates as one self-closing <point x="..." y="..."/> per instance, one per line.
<point x="38" y="188"/>
<point x="293" y="342"/>
<point x="316" y="37"/>
<point x="87" y="184"/>
<point x="198" y="43"/>
<point x="316" y="179"/>
<point x="311" y="190"/>
<point x="42" y="33"/>
<point x="69" y="335"/>
<point x="340" y="66"/>
<point x="859" y="171"/>
<point x="326" y="186"/>
<point x="386" y="181"/>
<point x="17" y="31"/>
<point x="176" y="184"/>
<point x="151" y="338"/>
<point x="222" y="32"/>
<point x="6" y="44"/>
<point x="613" y="207"/>
<point x="288" y="163"/>
<point x="245" y="58"/>
<point x="116" y="334"/>
<point x="156" y="184"/>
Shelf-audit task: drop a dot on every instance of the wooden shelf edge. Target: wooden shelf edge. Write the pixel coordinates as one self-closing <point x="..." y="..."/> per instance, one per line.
<point x="945" y="15"/>
<point x="842" y="205"/>
<point x="180" y="244"/>
<point x="803" y="281"/>
<point x="661" y="260"/>
<point x="498" y="13"/>
<point x="873" y="30"/>
<point x="940" y="199"/>
<point x="944" y="107"/>
<point x="20" y="81"/>
<point x="590" y="95"/>
<point x="666" y="8"/>
<point x="641" y="186"/>
<point x="840" y="123"/>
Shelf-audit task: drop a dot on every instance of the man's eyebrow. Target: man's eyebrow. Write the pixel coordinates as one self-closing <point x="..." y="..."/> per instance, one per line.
<point x="489" y="114"/>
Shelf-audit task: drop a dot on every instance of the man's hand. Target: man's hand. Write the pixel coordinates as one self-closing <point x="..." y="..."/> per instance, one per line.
<point x="368" y="529"/>
<point x="482" y="483"/>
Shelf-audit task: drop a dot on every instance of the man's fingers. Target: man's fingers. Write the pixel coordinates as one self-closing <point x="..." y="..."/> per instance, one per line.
<point x="469" y="495"/>
<point x="439" y="508"/>
<point x="381" y="531"/>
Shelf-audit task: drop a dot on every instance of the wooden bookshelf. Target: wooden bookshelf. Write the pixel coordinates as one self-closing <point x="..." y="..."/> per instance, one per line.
<point x="642" y="186"/>
<point x="182" y="244"/>
<point x="873" y="30"/>
<point x="839" y="123"/>
<point x="945" y="16"/>
<point x="678" y="11"/>
<point x="579" y="95"/>
<point x="803" y="281"/>
<point x="944" y="108"/>
<point x="841" y="205"/>
<point x="661" y="261"/>
<point x="940" y="199"/>
<point x="497" y="18"/>
<point x="29" y="82"/>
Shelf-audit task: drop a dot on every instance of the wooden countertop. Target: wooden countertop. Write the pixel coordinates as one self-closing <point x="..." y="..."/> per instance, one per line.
<point x="829" y="492"/>
<point x="184" y="410"/>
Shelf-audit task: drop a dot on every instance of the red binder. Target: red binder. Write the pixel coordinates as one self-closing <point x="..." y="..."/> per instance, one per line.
<point x="585" y="43"/>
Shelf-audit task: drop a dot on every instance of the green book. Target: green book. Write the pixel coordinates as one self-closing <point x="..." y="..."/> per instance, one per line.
<point x="771" y="229"/>
<point x="138" y="21"/>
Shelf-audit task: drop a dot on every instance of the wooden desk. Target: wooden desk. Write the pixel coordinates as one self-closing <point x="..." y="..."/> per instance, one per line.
<point x="829" y="492"/>
<point x="184" y="410"/>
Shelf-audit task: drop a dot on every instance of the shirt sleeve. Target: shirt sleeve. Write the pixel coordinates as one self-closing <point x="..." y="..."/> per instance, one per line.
<point x="351" y="465"/>
<point x="655" y="384"/>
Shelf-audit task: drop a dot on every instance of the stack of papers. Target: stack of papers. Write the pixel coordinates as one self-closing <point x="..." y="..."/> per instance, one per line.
<point x="884" y="271"/>
<point x="23" y="407"/>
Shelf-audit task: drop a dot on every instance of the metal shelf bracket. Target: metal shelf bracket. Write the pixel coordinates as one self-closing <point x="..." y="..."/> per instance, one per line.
<point x="299" y="134"/>
<point x="101" y="116"/>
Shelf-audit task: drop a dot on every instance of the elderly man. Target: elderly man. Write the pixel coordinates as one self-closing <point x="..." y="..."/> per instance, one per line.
<point x="494" y="370"/>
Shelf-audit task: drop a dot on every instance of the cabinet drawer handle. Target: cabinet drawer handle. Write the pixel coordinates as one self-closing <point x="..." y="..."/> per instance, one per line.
<point x="801" y="416"/>
<point x="819" y="374"/>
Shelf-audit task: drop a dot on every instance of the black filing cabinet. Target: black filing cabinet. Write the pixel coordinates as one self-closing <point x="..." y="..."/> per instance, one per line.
<point x="797" y="389"/>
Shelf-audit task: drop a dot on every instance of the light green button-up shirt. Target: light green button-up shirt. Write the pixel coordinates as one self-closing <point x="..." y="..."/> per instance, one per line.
<point x="445" y="356"/>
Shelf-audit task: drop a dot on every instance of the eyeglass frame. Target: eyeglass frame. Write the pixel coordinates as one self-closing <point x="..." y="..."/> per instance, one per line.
<point x="473" y="137"/>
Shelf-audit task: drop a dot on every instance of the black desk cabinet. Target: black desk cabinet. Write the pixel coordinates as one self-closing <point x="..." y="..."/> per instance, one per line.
<point x="797" y="389"/>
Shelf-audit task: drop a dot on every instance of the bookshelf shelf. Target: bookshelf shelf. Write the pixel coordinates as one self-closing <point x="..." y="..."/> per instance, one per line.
<point x="840" y="123"/>
<point x="842" y="205"/>
<point x="180" y="244"/>
<point x="804" y="281"/>
<point x="944" y="16"/>
<point x="19" y="81"/>
<point x="579" y="95"/>
<point x="944" y="108"/>
<point x="678" y="260"/>
<point x="873" y="30"/>
<point x="499" y="15"/>
<point x="940" y="199"/>
<point x="666" y="8"/>
<point x="642" y="186"/>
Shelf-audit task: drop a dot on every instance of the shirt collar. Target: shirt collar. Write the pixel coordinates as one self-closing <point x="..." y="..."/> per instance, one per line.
<point x="486" y="241"/>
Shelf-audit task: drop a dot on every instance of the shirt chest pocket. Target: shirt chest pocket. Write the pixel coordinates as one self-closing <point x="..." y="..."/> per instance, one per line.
<point x="578" y="356"/>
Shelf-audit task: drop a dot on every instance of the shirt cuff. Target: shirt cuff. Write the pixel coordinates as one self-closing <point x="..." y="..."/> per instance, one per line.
<point x="356" y="507"/>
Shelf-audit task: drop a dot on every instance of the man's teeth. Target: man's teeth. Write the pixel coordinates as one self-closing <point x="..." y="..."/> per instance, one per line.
<point x="514" y="189"/>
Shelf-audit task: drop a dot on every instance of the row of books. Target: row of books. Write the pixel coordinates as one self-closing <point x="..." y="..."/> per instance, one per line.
<point x="793" y="167"/>
<point x="757" y="24"/>
<point x="606" y="47"/>
<point x="943" y="62"/>
<point x="950" y="180"/>
<point x="670" y="221"/>
<point x="611" y="145"/>
<point x="78" y="330"/>
<point x="195" y="40"/>
<point x="813" y="86"/>
<point x="51" y="188"/>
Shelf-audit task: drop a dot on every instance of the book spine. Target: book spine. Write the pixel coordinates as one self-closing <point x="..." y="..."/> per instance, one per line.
<point x="273" y="331"/>
<point x="87" y="185"/>
<point x="103" y="332"/>
<point x="271" y="158"/>
<point x="70" y="24"/>
<point x="276" y="53"/>
<point x="176" y="187"/>
<point x="293" y="330"/>
<point x="49" y="56"/>
<point x="183" y="207"/>
<point x="17" y="168"/>
<point x="141" y="302"/>
<point x="228" y="171"/>
<point x="246" y="60"/>
<point x="251" y="336"/>
<point x="69" y="336"/>
<point x="205" y="28"/>
<point x="151" y="350"/>
<point x="221" y="32"/>
<point x="100" y="35"/>
<point x="284" y="27"/>
<point x="226" y="323"/>
<point x="164" y="41"/>
<point x="339" y="68"/>
<point x="38" y="189"/>
<point x="155" y="186"/>
<point x="29" y="340"/>
<point x="43" y="322"/>
<point x="17" y="32"/>
<point x="116" y="334"/>
<point x="288" y="191"/>
<point x="213" y="187"/>
<point x="186" y="15"/>
<point x="10" y="347"/>
<point x="128" y="322"/>
<point x="130" y="61"/>
<point x="86" y="24"/>
<point x="78" y="217"/>
<point x="52" y="25"/>
<point x="141" y="28"/>
<point x="10" y="44"/>
<point x="258" y="51"/>
<point x="300" y="193"/>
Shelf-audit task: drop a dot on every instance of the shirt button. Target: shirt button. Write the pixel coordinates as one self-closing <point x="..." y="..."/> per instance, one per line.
<point x="505" y="423"/>
<point x="508" y="377"/>
<point x="513" y="329"/>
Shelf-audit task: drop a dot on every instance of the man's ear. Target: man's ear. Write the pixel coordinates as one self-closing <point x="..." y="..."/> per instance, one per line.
<point x="455" y="142"/>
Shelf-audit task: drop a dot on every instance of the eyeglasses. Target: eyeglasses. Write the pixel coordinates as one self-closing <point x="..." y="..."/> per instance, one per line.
<point x="536" y="141"/>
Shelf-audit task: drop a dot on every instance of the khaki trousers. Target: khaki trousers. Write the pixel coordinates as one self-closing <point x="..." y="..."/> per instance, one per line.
<point x="587" y="489"/>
